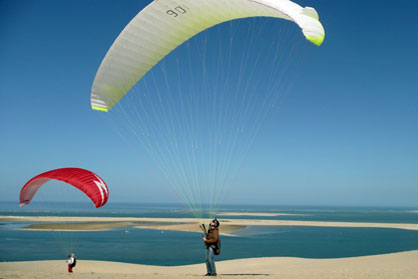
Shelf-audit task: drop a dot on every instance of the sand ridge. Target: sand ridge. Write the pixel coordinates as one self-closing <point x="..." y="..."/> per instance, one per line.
<point x="183" y="224"/>
<point x="257" y="214"/>
<point x="396" y="265"/>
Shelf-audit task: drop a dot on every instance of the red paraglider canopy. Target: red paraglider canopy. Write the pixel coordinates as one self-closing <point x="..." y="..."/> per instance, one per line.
<point x="88" y="182"/>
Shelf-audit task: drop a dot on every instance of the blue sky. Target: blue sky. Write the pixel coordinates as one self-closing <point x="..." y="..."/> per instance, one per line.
<point x="347" y="134"/>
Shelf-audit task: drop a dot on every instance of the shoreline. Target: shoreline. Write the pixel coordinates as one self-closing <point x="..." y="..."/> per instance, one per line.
<point x="177" y="224"/>
<point x="257" y="214"/>
<point x="395" y="265"/>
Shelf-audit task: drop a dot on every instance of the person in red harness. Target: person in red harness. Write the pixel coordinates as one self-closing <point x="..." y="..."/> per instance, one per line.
<point x="72" y="260"/>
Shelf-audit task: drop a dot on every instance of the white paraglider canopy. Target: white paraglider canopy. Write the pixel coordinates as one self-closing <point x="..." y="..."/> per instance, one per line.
<point x="165" y="24"/>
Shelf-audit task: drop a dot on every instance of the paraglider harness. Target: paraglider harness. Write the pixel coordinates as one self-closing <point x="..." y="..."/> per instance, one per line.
<point x="217" y="250"/>
<point x="74" y="262"/>
<point x="217" y="246"/>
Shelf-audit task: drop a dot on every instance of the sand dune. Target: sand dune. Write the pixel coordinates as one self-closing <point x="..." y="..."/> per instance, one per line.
<point x="398" y="265"/>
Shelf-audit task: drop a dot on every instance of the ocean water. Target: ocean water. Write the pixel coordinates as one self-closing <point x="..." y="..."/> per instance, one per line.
<point x="158" y="247"/>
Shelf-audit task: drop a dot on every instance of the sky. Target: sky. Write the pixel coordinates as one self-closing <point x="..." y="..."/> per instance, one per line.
<point x="346" y="134"/>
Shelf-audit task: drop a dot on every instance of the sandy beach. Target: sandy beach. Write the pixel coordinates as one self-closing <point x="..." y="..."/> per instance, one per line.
<point x="397" y="265"/>
<point x="257" y="214"/>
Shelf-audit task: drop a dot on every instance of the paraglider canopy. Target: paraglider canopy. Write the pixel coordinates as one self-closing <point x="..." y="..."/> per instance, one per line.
<point x="164" y="25"/>
<point x="88" y="182"/>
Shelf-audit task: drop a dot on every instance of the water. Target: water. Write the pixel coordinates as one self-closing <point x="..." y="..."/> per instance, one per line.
<point x="303" y="213"/>
<point x="158" y="247"/>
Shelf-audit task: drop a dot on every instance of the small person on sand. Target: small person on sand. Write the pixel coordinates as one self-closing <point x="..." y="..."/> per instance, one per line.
<point x="211" y="242"/>
<point x="72" y="261"/>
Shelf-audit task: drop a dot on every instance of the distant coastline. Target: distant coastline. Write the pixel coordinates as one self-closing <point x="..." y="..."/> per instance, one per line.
<point x="178" y="224"/>
<point x="257" y="214"/>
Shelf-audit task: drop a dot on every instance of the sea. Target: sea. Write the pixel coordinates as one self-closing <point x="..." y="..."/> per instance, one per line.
<point x="170" y="248"/>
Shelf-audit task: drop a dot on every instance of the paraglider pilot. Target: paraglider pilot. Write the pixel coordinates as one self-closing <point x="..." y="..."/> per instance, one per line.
<point x="72" y="260"/>
<point x="211" y="242"/>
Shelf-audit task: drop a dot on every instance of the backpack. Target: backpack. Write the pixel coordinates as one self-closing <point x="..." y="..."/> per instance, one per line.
<point x="217" y="249"/>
